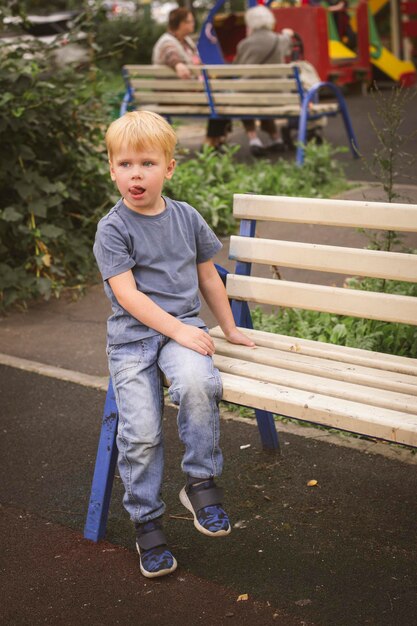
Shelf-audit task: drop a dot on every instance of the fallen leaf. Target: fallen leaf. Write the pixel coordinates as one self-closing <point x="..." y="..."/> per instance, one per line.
<point x="46" y="260"/>
<point x="312" y="483"/>
<point x="243" y="597"/>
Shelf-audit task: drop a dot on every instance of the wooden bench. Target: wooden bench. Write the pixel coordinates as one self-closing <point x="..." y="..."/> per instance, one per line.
<point x="346" y="388"/>
<point x="234" y="92"/>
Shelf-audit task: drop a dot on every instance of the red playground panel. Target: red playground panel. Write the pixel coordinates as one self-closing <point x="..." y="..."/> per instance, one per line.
<point x="310" y="23"/>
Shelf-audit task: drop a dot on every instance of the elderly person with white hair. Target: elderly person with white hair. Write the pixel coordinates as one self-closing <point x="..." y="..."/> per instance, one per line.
<point x="263" y="45"/>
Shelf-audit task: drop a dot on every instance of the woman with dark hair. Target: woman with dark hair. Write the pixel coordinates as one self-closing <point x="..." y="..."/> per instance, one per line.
<point x="177" y="50"/>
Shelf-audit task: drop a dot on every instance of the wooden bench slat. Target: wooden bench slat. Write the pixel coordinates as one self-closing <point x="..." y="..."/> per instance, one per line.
<point x="351" y="261"/>
<point x="159" y="71"/>
<point x="166" y="84"/>
<point x="340" y="371"/>
<point x="391" y="364"/>
<point x="349" y="213"/>
<point x="241" y="84"/>
<point x="318" y="384"/>
<point x="285" y="110"/>
<point x="178" y="110"/>
<point x="275" y="70"/>
<point x="254" y="84"/>
<point x="326" y="107"/>
<point x="219" y="98"/>
<point x="368" y="304"/>
<point x="143" y="97"/>
<point x="341" y="414"/>
<point x="214" y="71"/>
<point x="192" y="110"/>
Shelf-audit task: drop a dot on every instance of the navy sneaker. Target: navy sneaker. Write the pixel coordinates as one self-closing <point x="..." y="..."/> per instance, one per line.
<point x="276" y="146"/>
<point x="203" y="500"/>
<point x="257" y="150"/>
<point x="156" y="558"/>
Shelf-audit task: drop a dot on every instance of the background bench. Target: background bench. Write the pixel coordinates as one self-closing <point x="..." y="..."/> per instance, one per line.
<point x="234" y="92"/>
<point x="346" y="388"/>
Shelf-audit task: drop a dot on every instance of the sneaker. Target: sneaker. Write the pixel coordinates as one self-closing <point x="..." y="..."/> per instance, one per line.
<point x="203" y="500"/>
<point x="257" y="150"/>
<point x="276" y="146"/>
<point x="315" y="135"/>
<point x="287" y="138"/>
<point x="155" y="557"/>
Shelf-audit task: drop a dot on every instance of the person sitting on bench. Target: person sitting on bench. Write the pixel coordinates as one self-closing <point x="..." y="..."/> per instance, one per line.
<point x="177" y="50"/>
<point x="154" y="255"/>
<point x="262" y="45"/>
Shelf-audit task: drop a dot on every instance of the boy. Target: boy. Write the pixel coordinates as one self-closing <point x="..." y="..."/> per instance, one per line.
<point x="154" y="253"/>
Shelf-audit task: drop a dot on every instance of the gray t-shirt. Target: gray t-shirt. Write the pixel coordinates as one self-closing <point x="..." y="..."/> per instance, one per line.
<point x="163" y="252"/>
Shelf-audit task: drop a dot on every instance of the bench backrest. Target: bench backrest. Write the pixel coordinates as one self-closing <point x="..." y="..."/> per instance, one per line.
<point x="323" y="258"/>
<point x="236" y="90"/>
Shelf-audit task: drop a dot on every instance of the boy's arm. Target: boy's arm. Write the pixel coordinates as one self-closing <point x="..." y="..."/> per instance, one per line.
<point x="150" y="314"/>
<point x="215" y="295"/>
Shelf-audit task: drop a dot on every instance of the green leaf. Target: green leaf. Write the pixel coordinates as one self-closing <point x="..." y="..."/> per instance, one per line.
<point x="24" y="189"/>
<point x="18" y="112"/>
<point x="51" y="231"/>
<point x="9" y="214"/>
<point x="38" y="207"/>
<point x="44" y="286"/>
<point x="26" y="153"/>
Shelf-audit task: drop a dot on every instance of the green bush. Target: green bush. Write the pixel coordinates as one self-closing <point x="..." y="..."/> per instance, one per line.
<point x="209" y="181"/>
<point x="127" y="40"/>
<point x="53" y="175"/>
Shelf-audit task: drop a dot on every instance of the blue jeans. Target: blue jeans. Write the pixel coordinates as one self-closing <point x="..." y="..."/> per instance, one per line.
<point x="195" y="387"/>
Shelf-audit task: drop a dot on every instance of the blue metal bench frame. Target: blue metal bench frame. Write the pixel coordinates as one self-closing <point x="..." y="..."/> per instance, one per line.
<point x="306" y="98"/>
<point x="101" y="488"/>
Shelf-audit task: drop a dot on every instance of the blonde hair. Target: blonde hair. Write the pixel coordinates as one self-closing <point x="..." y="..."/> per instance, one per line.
<point x="260" y="17"/>
<point x="141" y="130"/>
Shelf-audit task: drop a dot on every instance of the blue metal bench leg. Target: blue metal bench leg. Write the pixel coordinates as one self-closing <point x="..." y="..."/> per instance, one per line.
<point x="267" y="430"/>
<point x="101" y="488"/>
<point x="309" y="97"/>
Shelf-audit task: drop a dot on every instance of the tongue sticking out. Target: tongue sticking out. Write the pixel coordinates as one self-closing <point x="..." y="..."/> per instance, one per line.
<point x="136" y="190"/>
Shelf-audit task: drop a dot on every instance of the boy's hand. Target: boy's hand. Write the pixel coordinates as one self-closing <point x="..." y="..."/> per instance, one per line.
<point x="195" y="339"/>
<point x="236" y="336"/>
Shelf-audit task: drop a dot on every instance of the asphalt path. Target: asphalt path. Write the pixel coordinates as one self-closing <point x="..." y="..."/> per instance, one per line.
<point x="343" y="552"/>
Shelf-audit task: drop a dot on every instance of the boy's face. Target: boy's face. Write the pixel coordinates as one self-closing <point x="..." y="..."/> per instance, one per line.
<point x="139" y="176"/>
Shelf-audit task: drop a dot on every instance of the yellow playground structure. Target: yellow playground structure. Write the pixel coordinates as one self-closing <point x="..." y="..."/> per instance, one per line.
<point x="397" y="69"/>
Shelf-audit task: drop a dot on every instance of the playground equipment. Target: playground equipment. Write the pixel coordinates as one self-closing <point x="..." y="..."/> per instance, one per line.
<point x="398" y="70"/>
<point x="321" y="44"/>
<point x="333" y="61"/>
